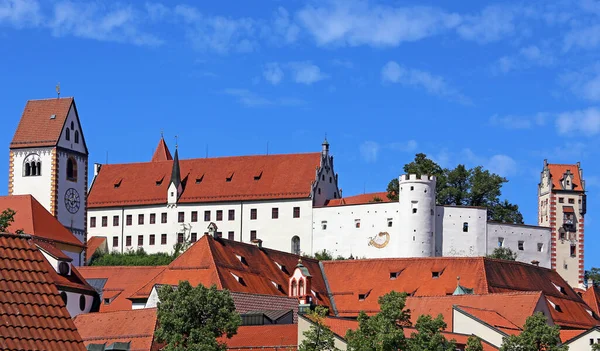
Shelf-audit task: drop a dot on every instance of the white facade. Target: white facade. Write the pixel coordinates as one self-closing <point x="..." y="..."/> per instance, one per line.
<point x="39" y="186"/>
<point x="393" y="229"/>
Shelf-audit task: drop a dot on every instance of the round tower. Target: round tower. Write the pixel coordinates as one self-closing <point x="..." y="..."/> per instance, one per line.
<point x="416" y="215"/>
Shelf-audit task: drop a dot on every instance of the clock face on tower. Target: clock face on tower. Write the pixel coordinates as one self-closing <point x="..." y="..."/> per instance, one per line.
<point x="72" y="200"/>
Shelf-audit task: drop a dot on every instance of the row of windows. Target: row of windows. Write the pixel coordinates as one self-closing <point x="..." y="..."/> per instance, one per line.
<point x="181" y="217"/>
<point x="68" y="133"/>
<point x="32" y="166"/>
<point x="521" y="245"/>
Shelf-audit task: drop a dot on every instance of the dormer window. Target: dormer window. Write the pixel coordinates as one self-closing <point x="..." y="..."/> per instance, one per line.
<point x="229" y="177"/>
<point x="242" y="259"/>
<point x="199" y="178"/>
<point x="159" y="180"/>
<point x="435" y="275"/>
<point x="239" y="279"/>
<point x="117" y="183"/>
<point x="394" y="275"/>
<point x="258" y="175"/>
<point x="363" y="295"/>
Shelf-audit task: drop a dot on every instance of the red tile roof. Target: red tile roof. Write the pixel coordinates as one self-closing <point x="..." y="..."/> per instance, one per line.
<point x="37" y="128"/>
<point x="34" y="219"/>
<point x="33" y="314"/>
<point x="214" y="261"/>
<point x="135" y="326"/>
<point x="274" y="337"/>
<point x="162" y="152"/>
<point x="359" y="199"/>
<point x="205" y="179"/>
<point x="93" y="244"/>
<point x="558" y="170"/>
<point x="245" y="302"/>
<point x="121" y="282"/>
<point x="495" y="319"/>
<point x="568" y="334"/>
<point x="592" y="298"/>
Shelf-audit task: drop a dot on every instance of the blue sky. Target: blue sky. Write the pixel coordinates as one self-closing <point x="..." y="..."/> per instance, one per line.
<point x="498" y="84"/>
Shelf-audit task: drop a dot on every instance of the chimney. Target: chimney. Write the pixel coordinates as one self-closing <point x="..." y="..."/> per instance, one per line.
<point x="97" y="167"/>
<point x="535" y="263"/>
<point x="590" y="283"/>
<point x="257" y="242"/>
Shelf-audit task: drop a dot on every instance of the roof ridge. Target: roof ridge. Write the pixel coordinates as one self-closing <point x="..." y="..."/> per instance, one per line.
<point x="210" y="242"/>
<point x="56" y="98"/>
<point x="91" y="314"/>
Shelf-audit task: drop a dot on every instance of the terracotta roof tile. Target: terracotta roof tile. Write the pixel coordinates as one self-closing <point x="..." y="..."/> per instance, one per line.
<point x="245" y="302"/>
<point x="568" y="334"/>
<point x="275" y="337"/>
<point x="93" y="244"/>
<point x="33" y="314"/>
<point x="283" y="176"/>
<point x="592" y="298"/>
<point x="135" y="326"/>
<point x="558" y="170"/>
<point x="495" y="319"/>
<point x="34" y="219"/>
<point x="37" y="128"/>
<point x="121" y="282"/>
<point x="162" y="152"/>
<point x="359" y="199"/>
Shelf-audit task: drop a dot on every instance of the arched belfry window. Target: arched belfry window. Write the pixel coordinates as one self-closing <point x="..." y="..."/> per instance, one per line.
<point x="76" y="137"/>
<point x="68" y="134"/>
<point x="71" y="169"/>
<point x="294" y="288"/>
<point x="32" y="165"/>
<point x="296" y="245"/>
<point x="301" y="287"/>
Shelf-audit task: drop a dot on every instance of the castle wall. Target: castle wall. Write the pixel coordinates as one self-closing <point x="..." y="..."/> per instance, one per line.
<point x="535" y="241"/>
<point x="416" y="215"/>
<point x="460" y="231"/>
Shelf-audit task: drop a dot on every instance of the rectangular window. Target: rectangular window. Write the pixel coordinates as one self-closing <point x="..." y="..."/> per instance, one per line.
<point x="253" y="235"/>
<point x="500" y="242"/>
<point x="115" y="241"/>
<point x="573" y="251"/>
<point x="163" y="239"/>
<point x="357" y="223"/>
<point x="253" y="214"/>
<point x="231" y="215"/>
<point x="115" y="221"/>
<point x="561" y="200"/>
<point x="571" y="201"/>
<point x="129" y="219"/>
<point x="219" y="215"/>
<point x="521" y="245"/>
<point x="465" y="227"/>
<point x="181" y="217"/>
<point x="296" y="212"/>
<point x="194" y="216"/>
<point x="207" y="216"/>
<point x="104" y="221"/>
<point x="194" y="237"/>
<point x="128" y="240"/>
<point x="152" y="239"/>
<point x="230" y="236"/>
<point x="152" y="218"/>
<point x="390" y="222"/>
<point x="180" y="238"/>
<point x="275" y="213"/>
<point x="163" y="217"/>
<point x="92" y="222"/>
<point x="540" y="247"/>
<point x="140" y="219"/>
<point x="140" y="240"/>
<point x="324" y="225"/>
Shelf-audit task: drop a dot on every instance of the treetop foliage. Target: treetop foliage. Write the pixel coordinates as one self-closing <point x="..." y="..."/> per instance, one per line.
<point x="318" y="337"/>
<point x="7" y="217"/>
<point x="503" y="253"/>
<point x="428" y="336"/>
<point x="138" y="257"/>
<point x="537" y="335"/>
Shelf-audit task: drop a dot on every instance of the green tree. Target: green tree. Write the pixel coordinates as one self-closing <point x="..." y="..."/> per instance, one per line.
<point x="503" y="253"/>
<point x="318" y="337"/>
<point x="506" y="212"/>
<point x="192" y="319"/>
<point x="429" y="335"/>
<point x="7" y="217"/>
<point x="596" y="347"/>
<point x="384" y="331"/>
<point x="138" y="257"/>
<point x="420" y="166"/>
<point x="474" y="344"/>
<point x="537" y="335"/>
<point x="323" y="255"/>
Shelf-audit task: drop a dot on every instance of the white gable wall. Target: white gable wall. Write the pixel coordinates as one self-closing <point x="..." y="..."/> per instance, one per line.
<point x="38" y="186"/>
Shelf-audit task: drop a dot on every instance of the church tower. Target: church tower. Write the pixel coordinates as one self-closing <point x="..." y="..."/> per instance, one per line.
<point x="562" y="207"/>
<point x="49" y="160"/>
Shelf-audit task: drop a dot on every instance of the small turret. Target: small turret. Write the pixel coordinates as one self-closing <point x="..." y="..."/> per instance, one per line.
<point x="417" y="215"/>
<point x="175" y="187"/>
<point x="300" y="287"/>
<point x="325" y="148"/>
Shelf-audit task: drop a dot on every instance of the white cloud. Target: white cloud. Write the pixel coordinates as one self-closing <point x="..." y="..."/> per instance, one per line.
<point x="500" y="164"/>
<point x="354" y="23"/>
<point x="518" y="122"/>
<point x="369" y="151"/>
<point x="273" y="73"/>
<point x="282" y="29"/>
<point x="392" y="72"/>
<point x="584" y="38"/>
<point x="527" y="57"/>
<point x="251" y="99"/>
<point x="585" y="83"/>
<point x="492" y="24"/>
<point x="408" y="146"/>
<point x="582" y="122"/>
<point x="20" y="13"/>
<point x="306" y="72"/>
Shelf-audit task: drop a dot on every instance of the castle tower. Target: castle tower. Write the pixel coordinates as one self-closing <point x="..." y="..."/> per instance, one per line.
<point x="562" y="207"/>
<point x="417" y="215"/>
<point x="49" y="160"/>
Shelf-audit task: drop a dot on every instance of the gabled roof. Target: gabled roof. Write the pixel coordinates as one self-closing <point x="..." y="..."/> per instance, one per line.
<point x="592" y="298"/>
<point x="359" y="199"/>
<point x="35" y="220"/>
<point x="245" y="302"/>
<point x="276" y="337"/>
<point x="33" y="314"/>
<point x="93" y="244"/>
<point x="493" y="318"/>
<point x="557" y="172"/>
<point x="207" y="180"/>
<point x="37" y="127"/>
<point x="135" y="326"/>
<point x="162" y="152"/>
<point x="215" y="261"/>
<point x="121" y="282"/>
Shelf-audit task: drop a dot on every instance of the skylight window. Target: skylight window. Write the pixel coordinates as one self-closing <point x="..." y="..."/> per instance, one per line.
<point x="242" y="259"/>
<point x="560" y="288"/>
<point x="362" y="296"/>
<point x="282" y="268"/>
<point x="199" y="178"/>
<point x="159" y="180"/>
<point x="229" y="177"/>
<point x="257" y="175"/>
<point x="435" y="275"/>
<point x="118" y="182"/>
<point x="555" y="306"/>
<point x="239" y="279"/>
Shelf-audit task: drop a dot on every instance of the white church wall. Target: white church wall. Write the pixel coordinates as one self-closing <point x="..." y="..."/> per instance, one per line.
<point x="451" y="238"/>
<point x="342" y="237"/>
<point x="535" y="241"/>
<point x="38" y="186"/>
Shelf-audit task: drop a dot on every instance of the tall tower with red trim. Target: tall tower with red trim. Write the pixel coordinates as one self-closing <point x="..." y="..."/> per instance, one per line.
<point x="562" y="207"/>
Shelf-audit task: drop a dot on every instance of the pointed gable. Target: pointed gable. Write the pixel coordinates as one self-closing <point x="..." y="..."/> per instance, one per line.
<point x="558" y="173"/>
<point x="41" y="123"/>
<point x="162" y="152"/>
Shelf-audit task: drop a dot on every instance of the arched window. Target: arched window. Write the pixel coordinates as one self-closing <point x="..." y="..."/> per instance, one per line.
<point x="294" y="288"/>
<point x="68" y="134"/>
<point x="76" y="137"/>
<point x="32" y="165"/>
<point x="296" y="245"/>
<point x="71" y="169"/>
<point x="301" y="287"/>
